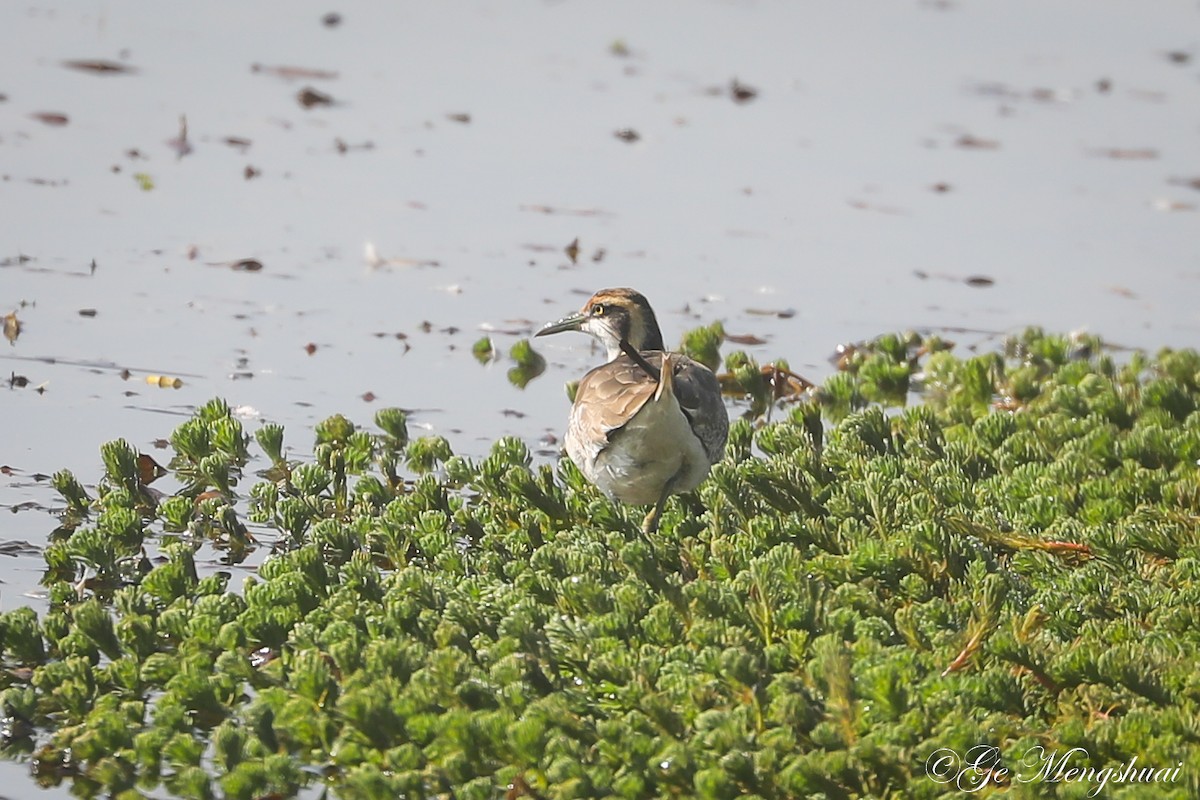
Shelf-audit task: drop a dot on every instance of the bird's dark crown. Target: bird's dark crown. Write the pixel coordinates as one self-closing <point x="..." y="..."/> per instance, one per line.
<point x="628" y="315"/>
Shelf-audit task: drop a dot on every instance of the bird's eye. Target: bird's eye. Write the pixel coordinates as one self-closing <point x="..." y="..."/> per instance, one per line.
<point x="598" y="310"/>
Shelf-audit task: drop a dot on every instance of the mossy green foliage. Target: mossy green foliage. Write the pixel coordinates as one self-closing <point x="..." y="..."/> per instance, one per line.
<point x="830" y="609"/>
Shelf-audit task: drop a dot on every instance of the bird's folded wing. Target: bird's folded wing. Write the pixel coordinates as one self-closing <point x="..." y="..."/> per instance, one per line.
<point x="699" y="396"/>
<point x="612" y="393"/>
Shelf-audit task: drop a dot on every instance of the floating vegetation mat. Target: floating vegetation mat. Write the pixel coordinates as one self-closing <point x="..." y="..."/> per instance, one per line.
<point x="861" y="590"/>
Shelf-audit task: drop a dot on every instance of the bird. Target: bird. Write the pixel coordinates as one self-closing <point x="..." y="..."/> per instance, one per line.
<point x="648" y="423"/>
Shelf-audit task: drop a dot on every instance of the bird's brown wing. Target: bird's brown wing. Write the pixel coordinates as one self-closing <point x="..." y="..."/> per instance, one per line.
<point x="612" y="393"/>
<point x="608" y="397"/>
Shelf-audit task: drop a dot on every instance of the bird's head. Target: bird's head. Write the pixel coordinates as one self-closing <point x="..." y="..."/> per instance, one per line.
<point x="612" y="316"/>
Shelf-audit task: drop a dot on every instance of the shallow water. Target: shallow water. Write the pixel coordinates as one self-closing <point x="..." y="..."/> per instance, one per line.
<point x="891" y="153"/>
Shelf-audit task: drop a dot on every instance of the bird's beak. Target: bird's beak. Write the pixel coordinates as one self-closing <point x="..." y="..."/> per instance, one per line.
<point x="571" y="322"/>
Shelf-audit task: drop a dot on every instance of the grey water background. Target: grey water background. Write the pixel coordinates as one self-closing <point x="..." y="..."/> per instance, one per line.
<point x="967" y="167"/>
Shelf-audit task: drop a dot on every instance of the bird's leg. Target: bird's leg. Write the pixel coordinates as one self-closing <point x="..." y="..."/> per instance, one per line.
<point x="632" y="352"/>
<point x="650" y="523"/>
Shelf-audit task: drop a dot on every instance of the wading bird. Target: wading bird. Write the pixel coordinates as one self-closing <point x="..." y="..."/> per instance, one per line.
<point x="648" y="423"/>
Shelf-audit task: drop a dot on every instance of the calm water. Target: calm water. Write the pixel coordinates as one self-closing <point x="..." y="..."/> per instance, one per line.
<point x="891" y="151"/>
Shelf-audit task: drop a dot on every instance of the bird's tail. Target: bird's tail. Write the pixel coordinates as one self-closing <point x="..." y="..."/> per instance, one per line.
<point x="665" y="378"/>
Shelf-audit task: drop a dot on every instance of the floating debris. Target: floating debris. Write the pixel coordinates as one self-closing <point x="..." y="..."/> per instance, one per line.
<point x="620" y="49"/>
<point x="309" y="97"/>
<point x="100" y="67"/>
<point x="741" y="93"/>
<point x="180" y="143"/>
<point x="344" y="147"/>
<point x="971" y="142"/>
<point x="628" y="135"/>
<point x="1126" y="153"/>
<point x="1167" y="204"/>
<point x="375" y="260"/>
<point x="782" y="313"/>
<point x="149" y="470"/>
<point x="745" y="339"/>
<point x="164" y="381"/>
<point x="51" y="118"/>
<point x="574" y="212"/>
<point x="12" y="327"/>
<point x="240" y="265"/>
<point x="294" y="73"/>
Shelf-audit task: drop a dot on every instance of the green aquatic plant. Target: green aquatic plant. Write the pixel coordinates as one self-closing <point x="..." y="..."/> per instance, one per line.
<point x="863" y="583"/>
<point x="529" y="364"/>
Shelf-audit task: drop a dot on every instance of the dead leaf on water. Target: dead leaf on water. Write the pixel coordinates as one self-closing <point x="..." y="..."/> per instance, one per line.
<point x="240" y="265"/>
<point x="971" y="142"/>
<point x="87" y="312"/>
<point x="628" y="135"/>
<point x="368" y="397"/>
<point x="744" y="338"/>
<point x="294" y="73"/>
<point x="375" y="260"/>
<point x="740" y="92"/>
<point x="344" y="147"/>
<point x="149" y="470"/>
<point x="100" y="66"/>
<point x="620" y="49"/>
<point x="164" y="381"/>
<point x="463" y="119"/>
<point x="52" y="118"/>
<point x="572" y="250"/>
<point x="180" y="143"/>
<point x="979" y="281"/>
<point x="12" y="327"/>
<point x="783" y="313"/>
<point x="310" y="348"/>
<point x="310" y="97"/>
<point x="1126" y="153"/>
<point x="1167" y="204"/>
<point x="574" y="212"/>
<point x="16" y="381"/>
